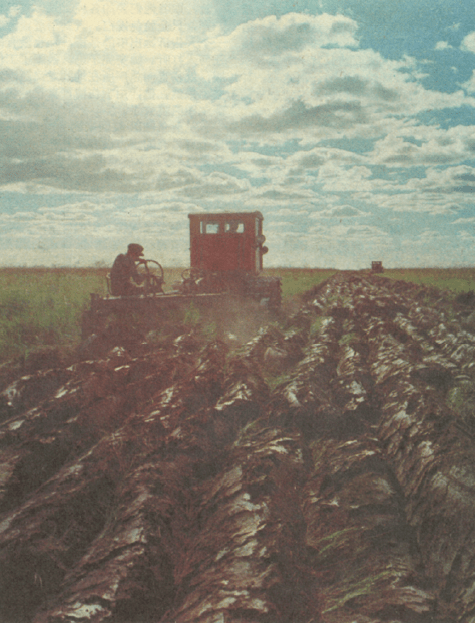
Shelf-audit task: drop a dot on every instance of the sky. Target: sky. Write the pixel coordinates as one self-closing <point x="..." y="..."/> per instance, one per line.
<point x="348" y="123"/>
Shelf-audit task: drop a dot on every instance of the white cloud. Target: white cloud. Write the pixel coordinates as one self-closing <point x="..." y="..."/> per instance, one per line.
<point x="79" y="207"/>
<point x="424" y="145"/>
<point x="469" y="85"/>
<point x="145" y="100"/>
<point x="429" y="236"/>
<point x="464" y="221"/>
<point x="47" y="216"/>
<point x="130" y="53"/>
<point x="443" y="45"/>
<point x="433" y="203"/>
<point x="271" y="40"/>
<point x="155" y="16"/>
<point x="337" y="179"/>
<point x="339" y="212"/>
<point x="468" y="43"/>
<point x="128" y="99"/>
<point x="290" y="212"/>
<point x="320" y="156"/>
<point x="215" y="184"/>
<point x="19" y="216"/>
<point x="466" y="236"/>
<point x="453" y="180"/>
<point x="278" y="195"/>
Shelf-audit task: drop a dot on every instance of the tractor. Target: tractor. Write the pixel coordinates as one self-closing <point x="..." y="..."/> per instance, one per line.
<point x="226" y="261"/>
<point x="377" y="267"/>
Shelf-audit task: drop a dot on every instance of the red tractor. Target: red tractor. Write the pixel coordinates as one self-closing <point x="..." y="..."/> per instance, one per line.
<point x="226" y="251"/>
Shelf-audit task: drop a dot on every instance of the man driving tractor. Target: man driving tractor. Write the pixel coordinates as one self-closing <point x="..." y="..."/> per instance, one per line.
<point x="124" y="272"/>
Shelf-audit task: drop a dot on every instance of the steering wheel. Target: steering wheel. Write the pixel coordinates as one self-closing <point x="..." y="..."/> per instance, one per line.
<point x="153" y="276"/>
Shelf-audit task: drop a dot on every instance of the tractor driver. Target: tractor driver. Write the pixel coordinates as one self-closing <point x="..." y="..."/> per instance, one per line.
<point x="124" y="272"/>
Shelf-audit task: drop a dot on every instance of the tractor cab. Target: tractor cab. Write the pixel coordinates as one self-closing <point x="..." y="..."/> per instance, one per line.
<point x="227" y="242"/>
<point x="226" y="251"/>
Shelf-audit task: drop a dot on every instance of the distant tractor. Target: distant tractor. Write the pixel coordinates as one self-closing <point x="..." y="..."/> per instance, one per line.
<point x="226" y="251"/>
<point x="377" y="267"/>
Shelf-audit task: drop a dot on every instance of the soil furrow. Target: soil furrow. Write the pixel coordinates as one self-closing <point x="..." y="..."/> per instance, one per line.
<point x="321" y="472"/>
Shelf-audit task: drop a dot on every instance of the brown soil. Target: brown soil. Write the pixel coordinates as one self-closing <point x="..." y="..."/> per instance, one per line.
<point x="322" y="472"/>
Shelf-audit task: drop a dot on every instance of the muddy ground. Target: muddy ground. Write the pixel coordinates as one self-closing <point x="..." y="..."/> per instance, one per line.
<point x="322" y="472"/>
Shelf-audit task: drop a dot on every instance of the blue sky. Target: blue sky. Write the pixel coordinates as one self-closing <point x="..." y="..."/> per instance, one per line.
<point x="348" y="123"/>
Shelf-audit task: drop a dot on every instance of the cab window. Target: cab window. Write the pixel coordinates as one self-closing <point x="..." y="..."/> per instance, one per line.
<point x="234" y="227"/>
<point x="209" y="227"/>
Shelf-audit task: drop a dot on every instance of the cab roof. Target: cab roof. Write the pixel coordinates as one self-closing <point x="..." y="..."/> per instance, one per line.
<point x="225" y="216"/>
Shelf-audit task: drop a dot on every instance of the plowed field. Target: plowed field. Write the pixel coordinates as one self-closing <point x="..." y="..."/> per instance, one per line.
<point x="322" y="472"/>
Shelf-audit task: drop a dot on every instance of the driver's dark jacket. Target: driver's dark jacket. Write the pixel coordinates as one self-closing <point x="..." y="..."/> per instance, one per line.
<point x="122" y="273"/>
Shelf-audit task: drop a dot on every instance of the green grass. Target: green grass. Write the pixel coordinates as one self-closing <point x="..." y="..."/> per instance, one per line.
<point x="296" y="281"/>
<point x="454" y="279"/>
<point x="41" y="307"/>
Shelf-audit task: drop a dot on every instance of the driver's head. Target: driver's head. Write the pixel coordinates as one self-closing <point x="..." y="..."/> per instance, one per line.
<point x="135" y="250"/>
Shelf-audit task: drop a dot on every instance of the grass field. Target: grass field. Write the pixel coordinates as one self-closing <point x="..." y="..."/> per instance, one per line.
<point x="454" y="279"/>
<point x="42" y="307"/>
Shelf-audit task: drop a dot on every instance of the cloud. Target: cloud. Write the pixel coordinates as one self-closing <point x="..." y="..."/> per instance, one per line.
<point x="453" y="180"/>
<point x="164" y="216"/>
<point x="108" y="47"/>
<point x="443" y="45"/>
<point x="468" y="220"/>
<point x="269" y="38"/>
<point x="157" y="16"/>
<point x="278" y="194"/>
<point x="338" y="212"/>
<point x="469" y="85"/>
<point x="429" y="236"/>
<point x="335" y="178"/>
<point x="313" y="159"/>
<point x="150" y="110"/>
<point x="290" y="212"/>
<point x="344" y="234"/>
<point x="215" y="184"/>
<point x="359" y="87"/>
<point x="424" y="146"/>
<point x="47" y="216"/>
<point x="19" y="216"/>
<point x="468" y="43"/>
<point x="84" y="103"/>
<point x="298" y="116"/>
<point x="89" y="174"/>
<point x="430" y="202"/>
<point x="80" y="206"/>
